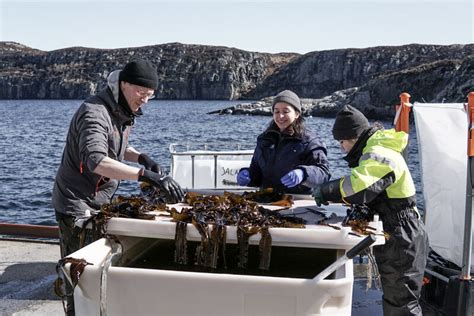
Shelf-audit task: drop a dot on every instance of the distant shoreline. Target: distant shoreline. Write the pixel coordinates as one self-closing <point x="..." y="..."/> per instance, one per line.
<point x="367" y="78"/>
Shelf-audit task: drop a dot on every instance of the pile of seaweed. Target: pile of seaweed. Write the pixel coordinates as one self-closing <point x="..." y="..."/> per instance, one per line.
<point x="212" y="214"/>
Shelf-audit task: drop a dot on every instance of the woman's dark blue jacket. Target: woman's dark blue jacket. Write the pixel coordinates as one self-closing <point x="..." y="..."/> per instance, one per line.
<point x="276" y="154"/>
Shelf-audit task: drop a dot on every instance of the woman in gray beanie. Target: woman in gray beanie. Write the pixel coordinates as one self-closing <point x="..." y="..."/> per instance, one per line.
<point x="288" y="157"/>
<point x="380" y="180"/>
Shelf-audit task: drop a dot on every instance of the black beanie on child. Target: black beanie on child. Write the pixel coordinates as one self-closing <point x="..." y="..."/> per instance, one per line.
<point x="141" y="73"/>
<point x="350" y="123"/>
<point x="288" y="97"/>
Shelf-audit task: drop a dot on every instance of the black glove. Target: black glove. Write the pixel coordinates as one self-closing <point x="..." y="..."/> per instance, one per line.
<point x="171" y="188"/>
<point x="150" y="164"/>
<point x="318" y="196"/>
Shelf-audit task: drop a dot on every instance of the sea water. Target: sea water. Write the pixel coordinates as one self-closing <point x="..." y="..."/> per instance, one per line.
<point x="33" y="134"/>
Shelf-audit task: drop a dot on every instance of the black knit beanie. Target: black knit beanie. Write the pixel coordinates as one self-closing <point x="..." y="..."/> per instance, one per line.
<point x="350" y="123"/>
<point x="289" y="97"/>
<point x="141" y="73"/>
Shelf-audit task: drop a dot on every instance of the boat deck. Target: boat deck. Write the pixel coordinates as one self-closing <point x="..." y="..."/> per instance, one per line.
<point x="27" y="273"/>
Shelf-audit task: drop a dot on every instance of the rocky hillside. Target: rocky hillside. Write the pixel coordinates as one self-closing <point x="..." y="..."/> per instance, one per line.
<point x="447" y="80"/>
<point x="186" y="71"/>
<point x="319" y="74"/>
<point x="433" y="74"/>
<point x="370" y="78"/>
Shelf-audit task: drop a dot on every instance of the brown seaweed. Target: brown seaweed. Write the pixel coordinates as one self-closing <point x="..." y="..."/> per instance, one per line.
<point x="203" y="250"/>
<point x="181" y="246"/>
<point x="269" y="195"/>
<point x="130" y="207"/>
<point x="218" y="242"/>
<point x="265" y="249"/>
<point x="230" y="209"/>
<point x="75" y="271"/>
<point x="358" y="218"/>
<point x="243" y="235"/>
<point x="183" y="216"/>
<point x="205" y="212"/>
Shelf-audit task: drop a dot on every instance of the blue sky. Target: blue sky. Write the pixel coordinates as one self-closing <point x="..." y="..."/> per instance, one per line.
<point x="259" y="25"/>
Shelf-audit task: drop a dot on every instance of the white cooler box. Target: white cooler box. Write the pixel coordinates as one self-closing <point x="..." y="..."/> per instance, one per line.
<point x="167" y="291"/>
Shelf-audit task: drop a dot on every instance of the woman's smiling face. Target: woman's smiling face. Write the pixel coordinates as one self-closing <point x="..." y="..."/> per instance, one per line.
<point x="284" y="115"/>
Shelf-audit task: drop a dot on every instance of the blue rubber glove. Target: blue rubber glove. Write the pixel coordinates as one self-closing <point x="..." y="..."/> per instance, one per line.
<point x="292" y="178"/>
<point x="318" y="196"/>
<point x="243" y="177"/>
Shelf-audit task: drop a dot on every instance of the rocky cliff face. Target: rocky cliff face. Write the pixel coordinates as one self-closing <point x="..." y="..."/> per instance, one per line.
<point x="319" y="74"/>
<point x="185" y="71"/>
<point x="441" y="81"/>
<point x="370" y="78"/>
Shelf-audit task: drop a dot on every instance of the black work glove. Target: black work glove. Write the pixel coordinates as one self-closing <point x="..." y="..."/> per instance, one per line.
<point x="318" y="196"/>
<point x="150" y="164"/>
<point x="171" y="188"/>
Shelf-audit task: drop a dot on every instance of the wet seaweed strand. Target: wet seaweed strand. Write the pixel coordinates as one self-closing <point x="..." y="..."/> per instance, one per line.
<point x="181" y="248"/>
<point x="217" y="212"/>
<point x="226" y="210"/>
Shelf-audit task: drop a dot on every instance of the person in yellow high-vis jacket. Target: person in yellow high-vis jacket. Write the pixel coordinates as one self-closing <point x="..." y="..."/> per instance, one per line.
<point x="380" y="180"/>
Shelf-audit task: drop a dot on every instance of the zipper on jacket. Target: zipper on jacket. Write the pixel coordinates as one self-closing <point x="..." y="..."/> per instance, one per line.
<point x="121" y="129"/>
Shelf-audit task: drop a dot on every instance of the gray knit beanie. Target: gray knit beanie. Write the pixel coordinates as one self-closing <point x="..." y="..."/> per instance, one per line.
<point x="350" y="123"/>
<point x="289" y="97"/>
<point x="141" y="73"/>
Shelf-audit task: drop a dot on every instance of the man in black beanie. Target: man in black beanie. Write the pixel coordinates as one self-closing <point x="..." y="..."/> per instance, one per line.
<point x="350" y="123"/>
<point x="141" y="73"/>
<point x="381" y="181"/>
<point x="97" y="142"/>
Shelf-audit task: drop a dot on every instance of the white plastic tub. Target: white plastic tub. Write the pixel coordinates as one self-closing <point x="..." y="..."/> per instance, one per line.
<point x="138" y="291"/>
<point x="133" y="291"/>
<point x="204" y="169"/>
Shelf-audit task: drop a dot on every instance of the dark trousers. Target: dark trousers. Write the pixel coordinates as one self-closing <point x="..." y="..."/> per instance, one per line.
<point x="401" y="262"/>
<point x="69" y="242"/>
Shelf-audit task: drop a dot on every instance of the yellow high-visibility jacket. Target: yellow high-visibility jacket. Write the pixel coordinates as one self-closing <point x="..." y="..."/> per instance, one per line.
<point x="379" y="176"/>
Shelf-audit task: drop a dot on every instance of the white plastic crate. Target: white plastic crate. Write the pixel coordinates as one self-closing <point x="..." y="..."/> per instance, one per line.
<point x="138" y="291"/>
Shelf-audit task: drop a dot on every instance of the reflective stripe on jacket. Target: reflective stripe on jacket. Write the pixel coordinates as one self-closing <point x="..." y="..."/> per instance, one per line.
<point x="381" y="178"/>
